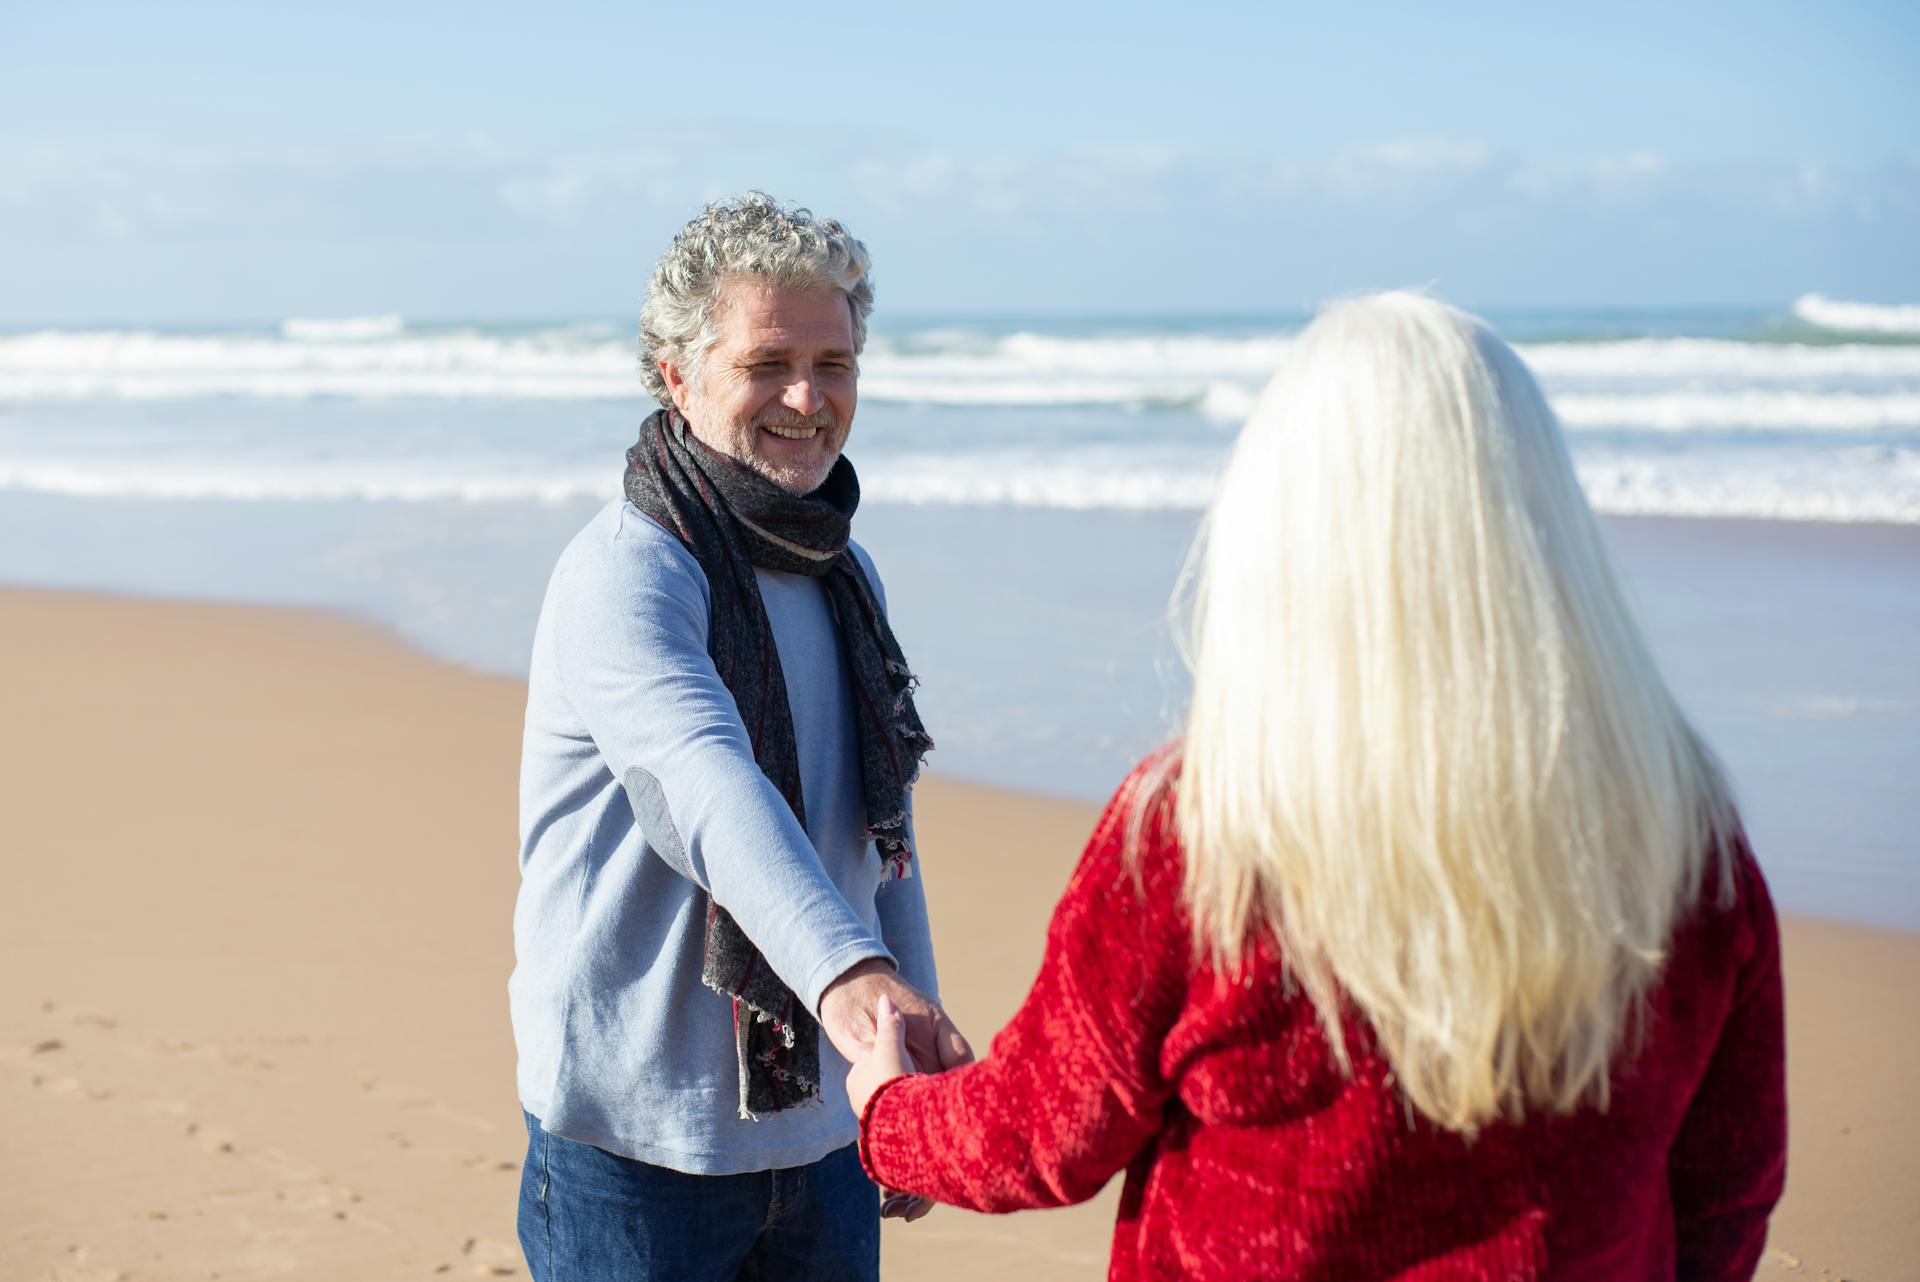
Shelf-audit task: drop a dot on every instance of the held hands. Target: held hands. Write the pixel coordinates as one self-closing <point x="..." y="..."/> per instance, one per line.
<point x="884" y="1027"/>
<point x="849" y="1015"/>
<point x="885" y="1060"/>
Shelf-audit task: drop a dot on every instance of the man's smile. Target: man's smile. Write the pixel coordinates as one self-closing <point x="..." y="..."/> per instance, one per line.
<point x="791" y="433"/>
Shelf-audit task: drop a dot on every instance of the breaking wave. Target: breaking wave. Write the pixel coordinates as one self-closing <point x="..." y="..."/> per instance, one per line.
<point x="1858" y="318"/>
<point x="1656" y="383"/>
<point x="1853" y="486"/>
<point x="349" y="329"/>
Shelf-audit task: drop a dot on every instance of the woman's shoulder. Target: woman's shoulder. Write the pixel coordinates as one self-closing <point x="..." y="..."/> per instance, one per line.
<point x="1134" y="850"/>
<point x="1731" y="921"/>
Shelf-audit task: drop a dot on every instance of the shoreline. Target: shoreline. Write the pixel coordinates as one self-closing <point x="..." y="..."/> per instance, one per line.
<point x="1884" y="538"/>
<point x="263" y="870"/>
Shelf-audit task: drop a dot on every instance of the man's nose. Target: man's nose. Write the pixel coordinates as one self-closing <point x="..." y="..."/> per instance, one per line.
<point x="803" y="396"/>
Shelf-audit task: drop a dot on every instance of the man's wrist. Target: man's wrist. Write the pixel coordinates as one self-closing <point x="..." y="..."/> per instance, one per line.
<point x="833" y="966"/>
<point x="859" y="970"/>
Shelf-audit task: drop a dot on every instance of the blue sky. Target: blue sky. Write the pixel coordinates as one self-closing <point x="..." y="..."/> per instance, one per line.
<point x="207" y="162"/>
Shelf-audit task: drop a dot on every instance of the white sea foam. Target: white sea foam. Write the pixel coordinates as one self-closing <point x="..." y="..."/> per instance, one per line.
<point x="1858" y="318"/>
<point x="1769" y="410"/>
<point x="1666" y="393"/>
<point x="1217" y="376"/>
<point x="349" y="329"/>
<point x="1031" y="480"/>
<point x="1850" y="486"/>
<point x="961" y="354"/>
<point x="271" y="483"/>
<point x="1718" y="358"/>
<point x="136" y="365"/>
<point x="1838" y="707"/>
<point x="1644" y="489"/>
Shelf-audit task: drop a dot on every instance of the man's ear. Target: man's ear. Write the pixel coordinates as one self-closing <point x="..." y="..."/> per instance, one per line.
<point x="677" y="386"/>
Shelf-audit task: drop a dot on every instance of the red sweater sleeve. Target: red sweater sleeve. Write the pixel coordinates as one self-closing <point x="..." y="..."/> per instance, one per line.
<point x="1071" y="1090"/>
<point x="1728" y="1164"/>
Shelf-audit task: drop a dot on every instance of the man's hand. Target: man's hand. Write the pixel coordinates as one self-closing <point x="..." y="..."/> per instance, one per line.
<point x="881" y="1062"/>
<point x="849" y="1013"/>
<point x="884" y="1027"/>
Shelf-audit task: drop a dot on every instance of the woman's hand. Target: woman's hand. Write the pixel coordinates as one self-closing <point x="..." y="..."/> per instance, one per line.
<point x="883" y="1061"/>
<point x="880" y="1063"/>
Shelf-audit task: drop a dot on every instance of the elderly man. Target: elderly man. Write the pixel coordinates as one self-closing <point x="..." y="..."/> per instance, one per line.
<point x="717" y="860"/>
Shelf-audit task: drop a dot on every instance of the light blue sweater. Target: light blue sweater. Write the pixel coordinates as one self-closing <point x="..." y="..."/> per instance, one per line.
<point x="638" y="790"/>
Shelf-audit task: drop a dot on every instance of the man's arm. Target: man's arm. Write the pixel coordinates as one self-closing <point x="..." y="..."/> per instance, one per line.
<point x="630" y="642"/>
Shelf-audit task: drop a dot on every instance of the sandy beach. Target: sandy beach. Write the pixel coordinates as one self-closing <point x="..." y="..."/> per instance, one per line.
<point x="253" y="1019"/>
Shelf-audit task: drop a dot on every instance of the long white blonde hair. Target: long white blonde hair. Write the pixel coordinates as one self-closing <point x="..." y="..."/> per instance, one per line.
<point x="1428" y="748"/>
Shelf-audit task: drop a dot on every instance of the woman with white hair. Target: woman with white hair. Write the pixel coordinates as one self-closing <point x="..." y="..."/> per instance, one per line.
<point x="1435" y="948"/>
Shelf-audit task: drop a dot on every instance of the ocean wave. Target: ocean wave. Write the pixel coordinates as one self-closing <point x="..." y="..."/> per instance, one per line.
<point x="1769" y="410"/>
<point x="1107" y="356"/>
<point x="1037" y="483"/>
<point x="346" y="329"/>
<point x="1839" y="707"/>
<point x="1217" y="377"/>
<point x="275" y="483"/>
<point x="473" y="367"/>
<point x="135" y="365"/>
<point x="1250" y="361"/>
<point x="1856" y="486"/>
<point x="1719" y="358"/>
<point x="1638" y="488"/>
<point x="1858" y="318"/>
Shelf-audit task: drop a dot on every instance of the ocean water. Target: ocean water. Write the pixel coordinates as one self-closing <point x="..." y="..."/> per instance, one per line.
<point x="1031" y="485"/>
<point x="1760" y="413"/>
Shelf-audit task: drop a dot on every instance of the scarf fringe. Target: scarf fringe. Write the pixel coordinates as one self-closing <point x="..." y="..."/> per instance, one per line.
<point x="810" y="1087"/>
<point x="733" y="521"/>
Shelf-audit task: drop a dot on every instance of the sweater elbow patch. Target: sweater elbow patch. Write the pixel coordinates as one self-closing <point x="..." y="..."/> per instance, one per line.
<point x="655" y="821"/>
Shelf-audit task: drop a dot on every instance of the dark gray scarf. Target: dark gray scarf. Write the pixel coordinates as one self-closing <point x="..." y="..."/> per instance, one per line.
<point x="732" y="519"/>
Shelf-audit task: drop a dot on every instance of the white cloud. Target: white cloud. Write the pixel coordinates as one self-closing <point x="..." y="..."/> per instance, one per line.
<point x="1609" y="179"/>
<point x="996" y="222"/>
<point x="1416" y="156"/>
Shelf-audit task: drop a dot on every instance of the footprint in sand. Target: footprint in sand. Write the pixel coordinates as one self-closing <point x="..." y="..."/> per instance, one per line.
<point x="35" y="1050"/>
<point x="276" y="1207"/>
<point x="71" y="1087"/>
<point x="487" y="1257"/>
<point x="268" y="1251"/>
<point x="170" y="1048"/>
<point x="494" y="1164"/>
<point x="405" y="1097"/>
<point x="41" y="1058"/>
<point x="212" y="1139"/>
<point x="77" y="1268"/>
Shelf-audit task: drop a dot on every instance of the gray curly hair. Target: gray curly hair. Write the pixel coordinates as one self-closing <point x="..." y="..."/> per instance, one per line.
<point x="752" y="236"/>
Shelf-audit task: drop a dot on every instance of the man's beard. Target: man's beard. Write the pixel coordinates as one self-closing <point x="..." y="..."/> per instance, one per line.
<point x="823" y="419"/>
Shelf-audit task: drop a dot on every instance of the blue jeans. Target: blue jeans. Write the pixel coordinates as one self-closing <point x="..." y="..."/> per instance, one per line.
<point x="587" y="1215"/>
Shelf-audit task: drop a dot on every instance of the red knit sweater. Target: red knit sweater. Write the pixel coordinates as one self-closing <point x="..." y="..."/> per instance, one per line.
<point x="1249" y="1155"/>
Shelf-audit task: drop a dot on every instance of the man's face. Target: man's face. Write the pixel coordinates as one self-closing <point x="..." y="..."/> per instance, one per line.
<point x="777" y="388"/>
